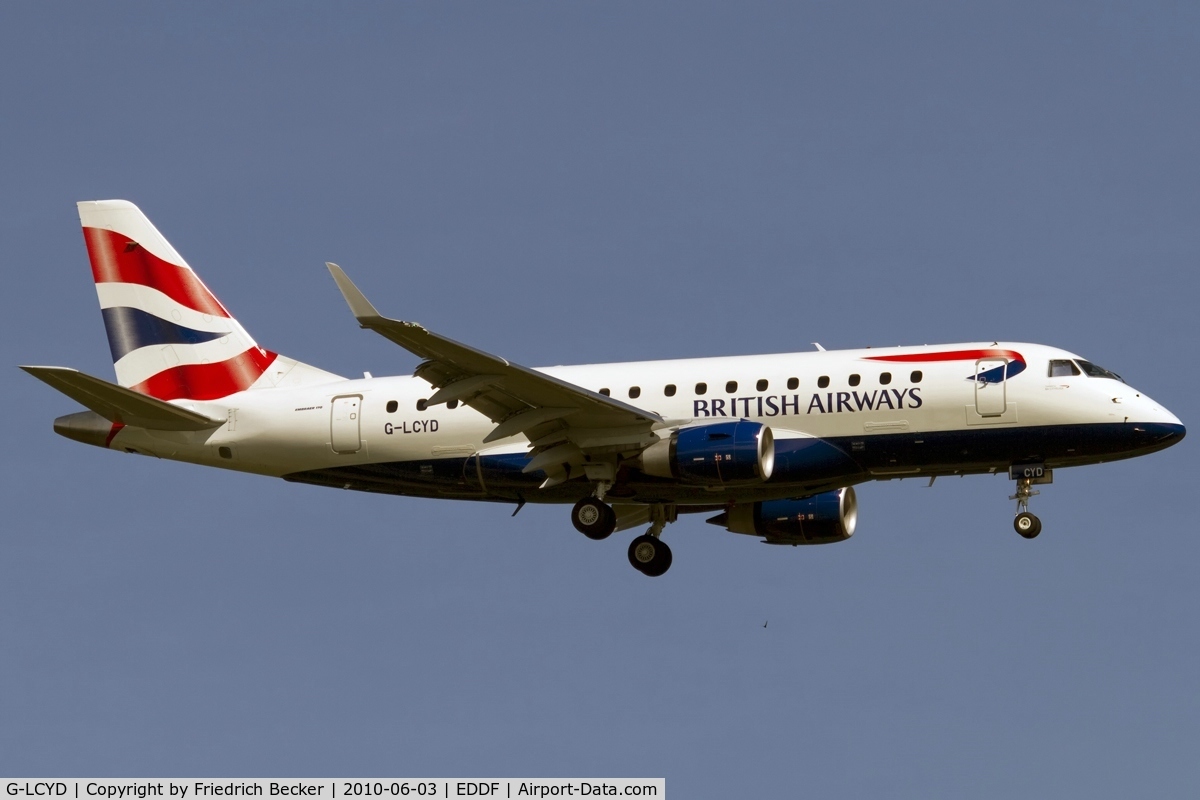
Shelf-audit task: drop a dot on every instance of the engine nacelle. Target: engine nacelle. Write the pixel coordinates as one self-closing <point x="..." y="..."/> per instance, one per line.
<point x="821" y="519"/>
<point x="721" y="453"/>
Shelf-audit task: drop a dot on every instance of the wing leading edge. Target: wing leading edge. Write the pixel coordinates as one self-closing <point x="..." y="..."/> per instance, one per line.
<point x="573" y="430"/>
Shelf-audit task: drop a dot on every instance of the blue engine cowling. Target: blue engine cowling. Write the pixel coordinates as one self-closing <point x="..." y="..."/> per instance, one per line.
<point x="717" y="454"/>
<point x="820" y="519"/>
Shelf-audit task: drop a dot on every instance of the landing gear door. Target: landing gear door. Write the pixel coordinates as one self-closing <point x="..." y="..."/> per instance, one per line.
<point x="344" y="424"/>
<point x="990" y="387"/>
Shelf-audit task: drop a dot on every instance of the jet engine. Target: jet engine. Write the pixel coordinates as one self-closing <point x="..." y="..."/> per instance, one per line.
<point x="820" y="519"/>
<point x="720" y="453"/>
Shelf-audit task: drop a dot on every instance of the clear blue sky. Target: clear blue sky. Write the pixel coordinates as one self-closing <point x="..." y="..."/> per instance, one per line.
<point x="576" y="182"/>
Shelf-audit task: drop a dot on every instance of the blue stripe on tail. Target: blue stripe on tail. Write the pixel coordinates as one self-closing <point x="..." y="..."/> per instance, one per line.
<point x="131" y="328"/>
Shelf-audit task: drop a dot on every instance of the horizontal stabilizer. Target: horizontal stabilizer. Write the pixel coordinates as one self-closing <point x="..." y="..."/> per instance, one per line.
<point x="118" y="404"/>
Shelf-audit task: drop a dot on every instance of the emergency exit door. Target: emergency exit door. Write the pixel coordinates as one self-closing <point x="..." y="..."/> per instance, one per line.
<point x="990" y="387"/>
<point x="344" y="431"/>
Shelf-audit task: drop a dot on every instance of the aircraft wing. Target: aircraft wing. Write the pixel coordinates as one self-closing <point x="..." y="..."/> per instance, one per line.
<point x="551" y="413"/>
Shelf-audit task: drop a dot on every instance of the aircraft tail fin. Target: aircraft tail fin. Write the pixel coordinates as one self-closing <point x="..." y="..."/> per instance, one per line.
<point x="169" y="335"/>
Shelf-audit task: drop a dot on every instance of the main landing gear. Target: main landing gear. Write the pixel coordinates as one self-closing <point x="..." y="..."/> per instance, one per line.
<point x="1025" y="523"/>
<point x="594" y="518"/>
<point x="648" y="554"/>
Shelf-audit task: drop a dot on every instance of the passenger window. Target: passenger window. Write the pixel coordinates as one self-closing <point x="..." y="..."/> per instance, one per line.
<point x="823" y="382"/>
<point x="701" y="388"/>
<point x="855" y="380"/>
<point x="1062" y="368"/>
<point x="885" y="378"/>
<point x="730" y="387"/>
<point x="635" y="392"/>
<point x="452" y="404"/>
<point x="604" y="392"/>
<point x="422" y="404"/>
<point x="761" y="385"/>
<point x="793" y="383"/>
<point x="392" y="406"/>
<point x="669" y="390"/>
<point x="916" y="376"/>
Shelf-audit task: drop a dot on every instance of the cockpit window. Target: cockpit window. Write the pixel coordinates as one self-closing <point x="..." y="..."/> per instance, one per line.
<point x="1092" y="371"/>
<point x="1062" y="368"/>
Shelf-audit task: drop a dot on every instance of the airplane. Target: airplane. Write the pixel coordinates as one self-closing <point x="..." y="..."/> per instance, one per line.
<point x="770" y="445"/>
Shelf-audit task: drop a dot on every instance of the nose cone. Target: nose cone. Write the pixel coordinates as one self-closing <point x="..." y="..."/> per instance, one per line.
<point x="1166" y="425"/>
<point x="1156" y="428"/>
<point x="1176" y="434"/>
<point x="1148" y="425"/>
<point x="1165" y="434"/>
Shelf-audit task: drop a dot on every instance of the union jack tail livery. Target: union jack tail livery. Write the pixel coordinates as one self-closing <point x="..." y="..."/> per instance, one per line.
<point x="169" y="335"/>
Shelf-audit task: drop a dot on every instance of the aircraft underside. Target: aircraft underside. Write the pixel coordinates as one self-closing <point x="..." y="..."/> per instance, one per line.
<point x="808" y="499"/>
<point x="802" y="466"/>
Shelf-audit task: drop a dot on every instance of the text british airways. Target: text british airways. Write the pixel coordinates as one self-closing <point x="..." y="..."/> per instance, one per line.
<point x="790" y="405"/>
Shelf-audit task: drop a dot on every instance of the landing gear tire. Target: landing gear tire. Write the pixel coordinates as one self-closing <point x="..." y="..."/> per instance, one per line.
<point x="1027" y="525"/>
<point x="650" y="555"/>
<point x="594" y="518"/>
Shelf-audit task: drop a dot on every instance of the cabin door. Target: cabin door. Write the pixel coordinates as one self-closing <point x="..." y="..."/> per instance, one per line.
<point x="344" y="424"/>
<point x="990" y="387"/>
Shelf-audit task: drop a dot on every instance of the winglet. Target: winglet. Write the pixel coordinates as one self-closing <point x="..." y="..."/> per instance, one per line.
<point x="360" y="306"/>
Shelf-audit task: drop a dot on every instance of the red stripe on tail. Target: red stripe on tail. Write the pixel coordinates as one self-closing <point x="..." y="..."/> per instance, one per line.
<point x="115" y="259"/>
<point x="208" y="381"/>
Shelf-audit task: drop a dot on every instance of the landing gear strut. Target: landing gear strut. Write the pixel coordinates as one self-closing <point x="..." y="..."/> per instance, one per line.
<point x="1025" y="523"/>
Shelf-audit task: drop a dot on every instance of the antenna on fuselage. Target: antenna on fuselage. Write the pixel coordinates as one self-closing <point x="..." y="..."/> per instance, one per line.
<point x="818" y="346"/>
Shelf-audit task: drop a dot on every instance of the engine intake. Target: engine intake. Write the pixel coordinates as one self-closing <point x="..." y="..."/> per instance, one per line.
<point x="820" y="519"/>
<point x="721" y="453"/>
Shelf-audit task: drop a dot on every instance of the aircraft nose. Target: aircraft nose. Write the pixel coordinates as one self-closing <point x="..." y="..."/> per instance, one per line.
<point x="1161" y="428"/>
<point x="1145" y="409"/>
<point x="1173" y="434"/>
<point x="1153" y="427"/>
<point x="1162" y="416"/>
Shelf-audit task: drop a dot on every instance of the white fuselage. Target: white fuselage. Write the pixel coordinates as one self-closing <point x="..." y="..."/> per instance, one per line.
<point x="853" y="398"/>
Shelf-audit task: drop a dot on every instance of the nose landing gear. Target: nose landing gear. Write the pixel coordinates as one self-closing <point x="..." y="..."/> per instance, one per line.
<point x="1025" y="523"/>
